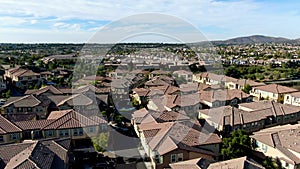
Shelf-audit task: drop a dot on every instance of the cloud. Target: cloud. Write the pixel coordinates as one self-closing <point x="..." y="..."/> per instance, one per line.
<point x="217" y="19"/>
<point x="33" y="21"/>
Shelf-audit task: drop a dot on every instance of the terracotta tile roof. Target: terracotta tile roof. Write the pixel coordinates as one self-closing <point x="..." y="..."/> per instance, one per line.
<point x="161" y="117"/>
<point x="71" y="100"/>
<point x="69" y="119"/>
<point x="222" y="115"/>
<point x="142" y="92"/>
<point x="99" y="120"/>
<point x="7" y="127"/>
<point x="223" y="95"/>
<point x="76" y="100"/>
<point x="23" y="101"/>
<point x="20" y="117"/>
<point x="156" y="82"/>
<point x="58" y="114"/>
<point x="36" y="154"/>
<point x="238" y="163"/>
<point x="296" y="94"/>
<point x="26" y="164"/>
<point x="20" y="72"/>
<point x="33" y="125"/>
<point x="173" y="134"/>
<point x="197" y="163"/>
<point x="284" y="138"/>
<point x="45" y="89"/>
<point x="66" y="90"/>
<point x="275" y="88"/>
<point x="189" y="87"/>
<point x="149" y="134"/>
<point x="56" y="99"/>
<point x="243" y="82"/>
<point x="8" y="151"/>
<point x="183" y="72"/>
<point x="86" y="88"/>
<point x="277" y="108"/>
<point x="162" y="80"/>
<point x="138" y="115"/>
<point x="160" y="72"/>
<point x="187" y="99"/>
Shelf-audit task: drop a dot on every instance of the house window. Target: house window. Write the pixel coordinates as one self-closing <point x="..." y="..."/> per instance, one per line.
<point x="64" y="133"/>
<point x="286" y="165"/>
<point x="20" y="109"/>
<point x="78" y="132"/>
<point x="180" y="157"/>
<point x="29" y="109"/>
<point x="49" y="133"/>
<point x="14" y="136"/>
<point x="103" y="127"/>
<point x="1" y="139"/>
<point x="173" y="158"/>
<point x="91" y="129"/>
<point x="158" y="159"/>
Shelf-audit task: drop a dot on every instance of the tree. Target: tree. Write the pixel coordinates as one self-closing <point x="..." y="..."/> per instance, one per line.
<point x="8" y="94"/>
<point x="269" y="163"/>
<point x="247" y="88"/>
<point x="100" y="143"/>
<point x="236" y="145"/>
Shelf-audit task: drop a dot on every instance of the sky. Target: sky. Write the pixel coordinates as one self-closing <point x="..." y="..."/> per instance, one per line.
<point x="82" y="21"/>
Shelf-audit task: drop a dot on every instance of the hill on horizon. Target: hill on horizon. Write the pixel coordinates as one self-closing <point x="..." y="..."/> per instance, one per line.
<point x="255" y="39"/>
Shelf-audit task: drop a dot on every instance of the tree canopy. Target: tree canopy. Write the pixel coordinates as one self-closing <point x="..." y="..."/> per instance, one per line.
<point x="236" y="145"/>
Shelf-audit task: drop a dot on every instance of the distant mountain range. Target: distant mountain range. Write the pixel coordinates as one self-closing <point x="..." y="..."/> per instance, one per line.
<point x="256" y="39"/>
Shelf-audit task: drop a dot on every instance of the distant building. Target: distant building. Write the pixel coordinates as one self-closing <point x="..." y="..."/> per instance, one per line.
<point x="272" y="92"/>
<point x="22" y="78"/>
<point x="292" y="98"/>
<point x="280" y="142"/>
<point x="250" y="116"/>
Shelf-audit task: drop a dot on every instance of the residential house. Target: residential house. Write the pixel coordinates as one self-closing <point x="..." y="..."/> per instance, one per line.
<point x="183" y="76"/>
<point x="197" y="163"/>
<point x="142" y="95"/>
<point x="170" y="142"/>
<point x="208" y="78"/>
<point x="22" y="78"/>
<point x="9" y="132"/>
<point x="190" y="103"/>
<point x="280" y="114"/>
<point x="201" y="163"/>
<point x="28" y="104"/>
<point x="46" y="90"/>
<point x="149" y="116"/>
<point x="76" y="101"/>
<point x="69" y="123"/>
<point x="158" y="73"/>
<point x="292" y="99"/>
<point x="2" y="82"/>
<point x="272" y="92"/>
<point x="45" y="154"/>
<point x="237" y="163"/>
<point x="217" y="98"/>
<point x="162" y="80"/>
<point x="280" y="142"/>
<point x="118" y="74"/>
<point x="233" y="83"/>
<point x="65" y="123"/>
<point x="249" y="116"/>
